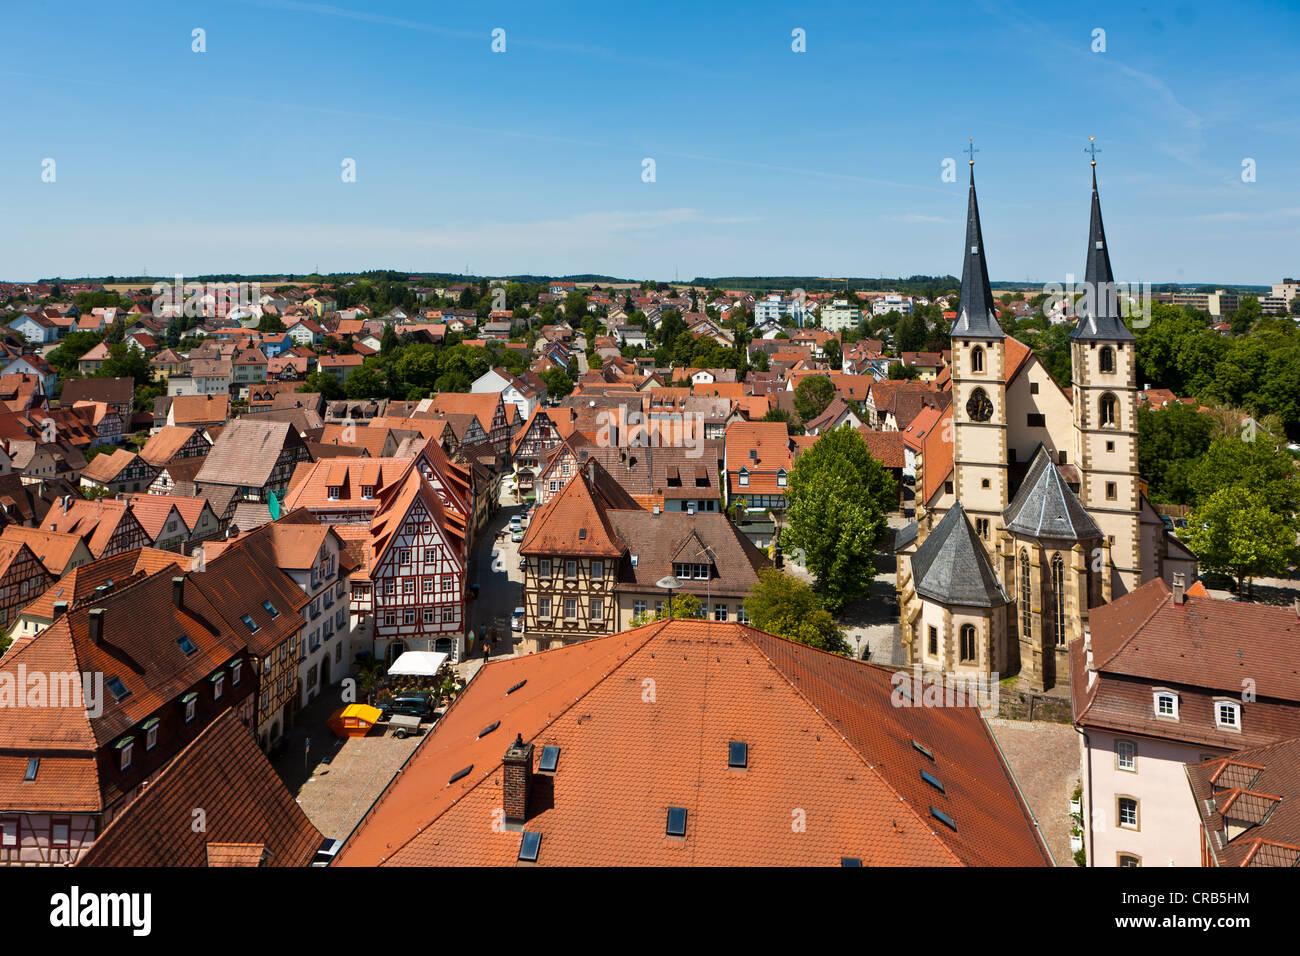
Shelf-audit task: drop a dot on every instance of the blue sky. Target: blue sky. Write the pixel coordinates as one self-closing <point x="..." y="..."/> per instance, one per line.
<point x="768" y="162"/>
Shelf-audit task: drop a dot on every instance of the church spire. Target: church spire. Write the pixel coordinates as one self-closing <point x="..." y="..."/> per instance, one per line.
<point x="977" y="318"/>
<point x="1099" y="316"/>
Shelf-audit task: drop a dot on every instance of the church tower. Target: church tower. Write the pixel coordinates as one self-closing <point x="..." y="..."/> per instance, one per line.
<point x="979" y="390"/>
<point x="1103" y="363"/>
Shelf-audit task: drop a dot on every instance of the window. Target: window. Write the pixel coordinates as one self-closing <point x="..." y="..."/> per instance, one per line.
<point x="33" y="765"/>
<point x="10" y="829"/>
<point x="1128" y="859"/>
<point x="597" y="570"/>
<point x="1166" y="703"/>
<point x="544" y="568"/>
<point x="408" y="616"/>
<point x="367" y="491"/>
<point x="218" y="680"/>
<point x="270" y="609"/>
<point x="408" y="586"/>
<point x="448" y="582"/>
<point x="977" y="359"/>
<point x="1033" y="388"/>
<point x="638" y="608"/>
<point x="235" y="669"/>
<point x="404" y="556"/>
<point x="390" y="586"/>
<point x="967" y="643"/>
<point x="570" y="569"/>
<point x="544" y="606"/>
<point x="934" y="640"/>
<point x="780" y="478"/>
<point x="947" y="487"/>
<point x="1036" y="420"/>
<point x="1128" y="812"/>
<point x="1110" y="446"/>
<point x="427" y="586"/>
<point x="189" y="702"/>
<point x="124" y="748"/>
<point x="1227" y="715"/>
<point x="60" y="829"/>
<point x="1109" y="409"/>
<point x="1026" y="597"/>
<point x="570" y="609"/>
<point x="448" y="615"/>
<point x="335" y="492"/>
<point x="250" y="624"/>
<point x="428" y="615"/>
<point x="1058" y="600"/>
<point x="719" y="612"/>
<point x="743" y="477"/>
<point x="430" y="555"/>
<point x="1126" y="755"/>
<point x="186" y="645"/>
<point x="982" y="527"/>
<point x="1106" y="361"/>
<point x="597" y="609"/>
<point x="741" y="615"/>
<point x="1112" y="490"/>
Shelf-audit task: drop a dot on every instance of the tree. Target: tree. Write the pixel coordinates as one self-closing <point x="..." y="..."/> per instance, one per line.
<point x="897" y="370"/>
<point x="783" y="605"/>
<point x="836" y="503"/>
<point x="324" y="383"/>
<point x="388" y="341"/>
<point x="126" y="362"/>
<point x="1171" y="441"/>
<point x="270" y="322"/>
<point x="1257" y="465"/>
<point x="1247" y="314"/>
<point x="834" y="357"/>
<point x="910" y="334"/>
<point x="558" y="383"/>
<point x="364" y="382"/>
<point x="1236" y="532"/>
<point x="684" y="605"/>
<point x="778" y="414"/>
<point x="812" y="395"/>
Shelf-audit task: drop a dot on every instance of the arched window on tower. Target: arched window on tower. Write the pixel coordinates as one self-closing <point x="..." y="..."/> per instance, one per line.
<point x="1109" y="411"/>
<point x="977" y="359"/>
<point x="1058" y="600"/>
<point x="1026" y="597"/>
<point x="968" y="643"/>
<point x="1107" y="359"/>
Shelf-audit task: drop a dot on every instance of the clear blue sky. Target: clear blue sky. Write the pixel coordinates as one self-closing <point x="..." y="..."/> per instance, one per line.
<point x="768" y="162"/>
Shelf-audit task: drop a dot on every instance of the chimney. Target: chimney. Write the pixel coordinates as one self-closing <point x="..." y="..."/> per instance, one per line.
<point x="97" y="625"/>
<point x="517" y="774"/>
<point x="1180" y="590"/>
<point x="178" y="591"/>
<point x="60" y="609"/>
<point x="67" y="501"/>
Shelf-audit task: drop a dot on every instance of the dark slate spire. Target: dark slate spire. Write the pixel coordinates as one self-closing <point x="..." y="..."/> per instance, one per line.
<point x="1099" y="316"/>
<point x="1045" y="507"/>
<point x="977" y="318"/>
<point x="952" y="567"/>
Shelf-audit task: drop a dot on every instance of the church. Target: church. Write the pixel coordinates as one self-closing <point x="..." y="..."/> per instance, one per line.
<point x="1029" y="507"/>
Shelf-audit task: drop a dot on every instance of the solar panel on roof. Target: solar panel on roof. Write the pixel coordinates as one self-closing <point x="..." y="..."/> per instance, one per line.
<point x="550" y="758"/>
<point x="676" y="821"/>
<point x="464" y="772"/>
<point x="933" y="781"/>
<point x="738" y="754"/>
<point x="529" y="846"/>
<point x="943" y="818"/>
<point x="489" y="728"/>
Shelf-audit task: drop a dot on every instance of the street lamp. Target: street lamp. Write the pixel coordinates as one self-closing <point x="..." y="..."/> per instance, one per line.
<point x="669" y="584"/>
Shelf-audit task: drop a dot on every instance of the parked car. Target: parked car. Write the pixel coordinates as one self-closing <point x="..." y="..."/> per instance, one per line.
<point x="517" y="622"/>
<point x="517" y="536"/>
<point x="412" y="705"/>
<point x="516" y="522"/>
<point x="523" y="563"/>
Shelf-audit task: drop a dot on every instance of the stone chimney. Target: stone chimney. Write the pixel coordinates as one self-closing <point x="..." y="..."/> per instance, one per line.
<point x="97" y="625"/>
<point x="178" y="591"/>
<point x="1180" y="589"/>
<point x="517" y="775"/>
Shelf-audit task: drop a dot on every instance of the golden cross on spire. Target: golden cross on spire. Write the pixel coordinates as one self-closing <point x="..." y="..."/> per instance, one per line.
<point x="1092" y="149"/>
<point x="971" y="150"/>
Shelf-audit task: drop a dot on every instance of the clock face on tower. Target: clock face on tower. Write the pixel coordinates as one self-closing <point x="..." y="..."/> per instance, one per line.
<point x="979" y="408"/>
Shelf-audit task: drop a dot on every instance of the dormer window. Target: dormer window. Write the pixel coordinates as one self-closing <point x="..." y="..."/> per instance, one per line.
<point x="217" y="680"/>
<point x="335" y="492"/>
<point x="1227" y="715"/>
<point x="780" y="478"/>
<point x="124" y="748"/>
<point x="1166" y="704"/>
<point x="367" y="491"/>
<point x="744" y="477"/>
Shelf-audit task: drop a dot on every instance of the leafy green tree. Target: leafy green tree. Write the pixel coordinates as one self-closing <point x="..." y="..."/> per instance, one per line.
<point x="364" y="382"/>
<point x="783" y="605"/>
<point x="323" y="382"/>
<point x="836" y="503"/>
<point x="1170" y="443"/>
<point x="897" y="370"/>
<point x="270" y="322"/>
<point x="812" y="395"/>
<point x="1258" y="465"/>
<point x="73" y="347"/>
<point x="684" y="606"/>
<point x="388" y="340"/>
<point x="1236" y="532"/>
<point x="1247" y="314"/>
<point x="779" y="414"/>
<point x="834" y="358"/>
<point x="126" y="362"/>
<point x="558" y="383"/>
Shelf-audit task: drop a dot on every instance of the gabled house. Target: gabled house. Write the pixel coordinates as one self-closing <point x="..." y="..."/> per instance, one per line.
<point x="105" y="524"/>
<point x="118" y="471"/>
<point x="255" y="457"/>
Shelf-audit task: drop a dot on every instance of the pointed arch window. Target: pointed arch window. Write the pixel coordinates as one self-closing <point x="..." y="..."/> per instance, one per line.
<point x="967" y="643"/>
<point x="1058" y="600"/>
<point x="1026" y="597"/>
<point x="977" y="359"/>
<point x="1109" y="410"/>
<point x="1106" y="361"/>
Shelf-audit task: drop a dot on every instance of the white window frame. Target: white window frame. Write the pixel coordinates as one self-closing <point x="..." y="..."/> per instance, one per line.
<point x="1156" y="696"/>
<point x="1120" y="746"/>
<point x="1220" y="704"/>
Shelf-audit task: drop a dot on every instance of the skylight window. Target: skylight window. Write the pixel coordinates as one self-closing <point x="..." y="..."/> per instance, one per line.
<point x="250" y="624"/>
<point x="463" y="772"/>
<point x="943" y="818"/>
<point x="529" y="846"/>
<point x="850" y="861"/>
<point x="550" y="759"/>
<point x="933" y="781"/>
<point x="270" y="609"/>
<point x="515" y="687"/>
<point x="738" y="754"/>
<point x="186" y="645"/>
<point x="117" y="688"/>
<point x="922" y="749"/>
<point x="676" y="822"/>
<point x="33" y="765"/>
<point x="489" y="728"/>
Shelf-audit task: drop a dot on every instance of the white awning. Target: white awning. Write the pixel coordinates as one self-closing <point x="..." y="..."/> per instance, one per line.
<point x="417" y="664"/>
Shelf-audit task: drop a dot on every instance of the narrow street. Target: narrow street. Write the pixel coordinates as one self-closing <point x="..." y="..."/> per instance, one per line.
<point x="494" y="566"/>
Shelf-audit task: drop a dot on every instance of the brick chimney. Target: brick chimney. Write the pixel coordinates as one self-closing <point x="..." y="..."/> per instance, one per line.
<point x="178" y="591"/>
<point x="517" y="775"/>
<point x="1180" y="589"/>
<point x="97" y="625"/>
